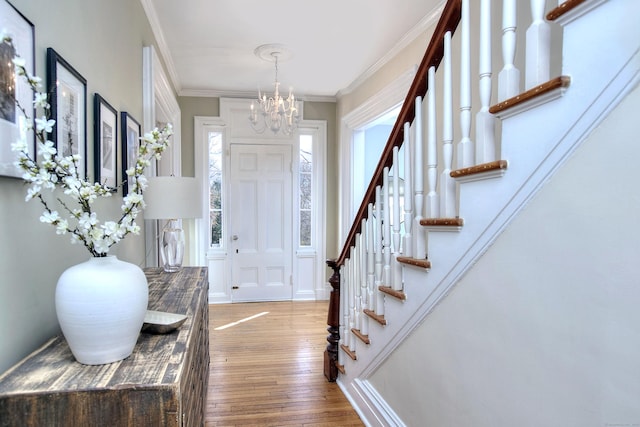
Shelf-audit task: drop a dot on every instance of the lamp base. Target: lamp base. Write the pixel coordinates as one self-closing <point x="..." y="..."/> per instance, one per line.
<point x="172" y="248"/>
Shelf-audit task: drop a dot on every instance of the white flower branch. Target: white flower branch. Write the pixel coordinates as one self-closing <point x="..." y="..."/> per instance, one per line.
<point x="48" y="171"/>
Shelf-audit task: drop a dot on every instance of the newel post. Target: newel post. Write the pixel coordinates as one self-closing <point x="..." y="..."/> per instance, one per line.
<point x="333" y="320"/>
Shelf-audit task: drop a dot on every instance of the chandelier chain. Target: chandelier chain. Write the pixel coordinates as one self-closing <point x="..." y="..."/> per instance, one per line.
<point x="276" y="56"/>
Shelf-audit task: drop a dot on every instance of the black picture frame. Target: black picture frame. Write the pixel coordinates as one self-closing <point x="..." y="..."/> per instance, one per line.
<point x="130" y="140"/>
<point x="105" y="139"/>
<point x="13" y="123"/>
<point x="68" y="99"/>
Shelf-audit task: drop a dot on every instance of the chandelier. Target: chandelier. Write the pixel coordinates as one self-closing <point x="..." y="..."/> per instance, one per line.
<point x="274" y="112"/>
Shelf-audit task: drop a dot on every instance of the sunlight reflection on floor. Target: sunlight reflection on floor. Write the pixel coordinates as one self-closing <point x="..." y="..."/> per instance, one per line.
<point x="246" y="319"/>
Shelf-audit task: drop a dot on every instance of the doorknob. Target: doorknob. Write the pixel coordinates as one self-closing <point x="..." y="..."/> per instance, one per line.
<point x="234" y="237"/>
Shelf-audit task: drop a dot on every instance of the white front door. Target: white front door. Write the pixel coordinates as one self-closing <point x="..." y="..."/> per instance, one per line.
<point x="261" y="222"/>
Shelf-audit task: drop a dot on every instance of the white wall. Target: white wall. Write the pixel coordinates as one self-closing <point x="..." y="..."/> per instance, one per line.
<point x="103" y="41"/>
<point x="544" y="330"/>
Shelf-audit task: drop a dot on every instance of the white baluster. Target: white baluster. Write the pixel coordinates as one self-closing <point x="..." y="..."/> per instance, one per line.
<point x="379" y="303"/>
<point x="433" y="209"/>
<point x="447" y="184"/>
<point x="386" y="240"/>
<point x="364" y="291"/>
<point x="371" y="264"/>
<point x="346" y="284"/>
<point x="485" y="121"/>
<point x="407" y="248"/>
<point x="353" y="324"/>
<point x="377" y="244"/>
<point x="356" y="284"/>
<point x="352" y="293"/>
<point x="509" y="76"/>
<point x="465" y="146"/>
<point x="396" y="202"/>
<point x="396" y="266"/>
<point x="419" y="232"/>
<point x="379" y="296"/>
<point x="538" y="47"/>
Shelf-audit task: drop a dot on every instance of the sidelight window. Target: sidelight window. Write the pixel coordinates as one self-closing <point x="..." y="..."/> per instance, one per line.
<point x="306" y="189"/>
<point x="215" y="189"/>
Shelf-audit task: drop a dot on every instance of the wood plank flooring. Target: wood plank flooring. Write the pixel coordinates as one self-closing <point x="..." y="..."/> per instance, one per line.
<point x="267" y="367"/>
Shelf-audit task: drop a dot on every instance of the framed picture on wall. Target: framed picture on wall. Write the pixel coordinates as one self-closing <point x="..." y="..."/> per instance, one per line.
<point x="130" y="140"/>
<point x="13" y="124"/>
<point x="68" y="99"/>
<point x="105" y="140"/>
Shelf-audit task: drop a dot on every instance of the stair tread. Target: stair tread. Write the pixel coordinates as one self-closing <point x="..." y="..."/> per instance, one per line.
<point x="364" y="338"/>
<point x="563" y="8"/>
<point x="545" y="88"/>
<point x="442" y="222"/>
<point x="351" y="354"/>
<point x="416" y="262"/>
<point x="377" y="317"/>
<point x="394" y="293"/>
<point x="481" y="168"/>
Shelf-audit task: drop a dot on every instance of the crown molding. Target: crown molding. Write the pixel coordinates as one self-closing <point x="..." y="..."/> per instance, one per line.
<point x="163" y="47"/>
<point x="212" y="93"/>
<point x="425" y="23"/>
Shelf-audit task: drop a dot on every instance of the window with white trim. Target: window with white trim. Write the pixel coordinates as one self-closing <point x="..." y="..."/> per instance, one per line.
<point x="305" y="214"/>
<point x="215" y="189"/>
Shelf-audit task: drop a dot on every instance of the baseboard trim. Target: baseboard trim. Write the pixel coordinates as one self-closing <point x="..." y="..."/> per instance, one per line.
<point x="372" y="409"/>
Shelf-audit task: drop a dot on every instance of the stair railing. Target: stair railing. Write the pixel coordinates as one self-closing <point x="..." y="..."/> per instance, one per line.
<point x="380" y="241"/>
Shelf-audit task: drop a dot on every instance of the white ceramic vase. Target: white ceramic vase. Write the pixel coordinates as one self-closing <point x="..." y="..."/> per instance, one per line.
<point x="101" y="304"/>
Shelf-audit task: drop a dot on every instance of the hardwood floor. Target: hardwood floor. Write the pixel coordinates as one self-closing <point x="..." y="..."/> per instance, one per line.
<point x="267" y="367"/>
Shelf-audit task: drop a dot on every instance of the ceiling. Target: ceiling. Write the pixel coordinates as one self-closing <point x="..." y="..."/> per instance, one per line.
<point x="208" y="45"/>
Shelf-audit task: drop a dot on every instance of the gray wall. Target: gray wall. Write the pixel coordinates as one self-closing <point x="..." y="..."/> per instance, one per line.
<point x="544" y="329"/>
<point x="103" y="40"/>
<point x="191" y="106"/>
<point x="327" y="111"/>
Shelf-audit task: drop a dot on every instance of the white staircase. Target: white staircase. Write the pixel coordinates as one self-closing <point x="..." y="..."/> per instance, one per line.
<point x="491" y="181"/>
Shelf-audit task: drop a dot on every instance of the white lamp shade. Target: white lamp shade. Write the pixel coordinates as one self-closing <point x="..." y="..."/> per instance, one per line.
<point x="173" y="197"/>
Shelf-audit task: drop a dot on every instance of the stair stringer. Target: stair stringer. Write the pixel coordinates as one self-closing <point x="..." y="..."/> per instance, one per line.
<point x="535" y="143"/>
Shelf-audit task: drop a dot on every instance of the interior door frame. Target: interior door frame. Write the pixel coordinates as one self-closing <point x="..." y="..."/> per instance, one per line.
<point x="233" y="125"/>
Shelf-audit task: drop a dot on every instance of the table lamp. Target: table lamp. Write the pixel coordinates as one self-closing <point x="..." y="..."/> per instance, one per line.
<point x="172" y="198"/>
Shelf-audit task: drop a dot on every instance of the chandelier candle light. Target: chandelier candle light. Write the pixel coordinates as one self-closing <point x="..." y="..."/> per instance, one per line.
<point x="278" y="113"/>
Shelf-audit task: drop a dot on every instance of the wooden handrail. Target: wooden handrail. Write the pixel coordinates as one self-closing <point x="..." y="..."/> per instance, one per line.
<point x="433" y="56"/>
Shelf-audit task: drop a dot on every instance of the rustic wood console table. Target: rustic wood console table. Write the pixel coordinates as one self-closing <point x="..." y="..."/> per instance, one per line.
<point x="163" y="382"/>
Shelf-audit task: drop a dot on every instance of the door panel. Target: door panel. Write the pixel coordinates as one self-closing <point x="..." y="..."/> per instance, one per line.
<point x="261" y="222"/>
